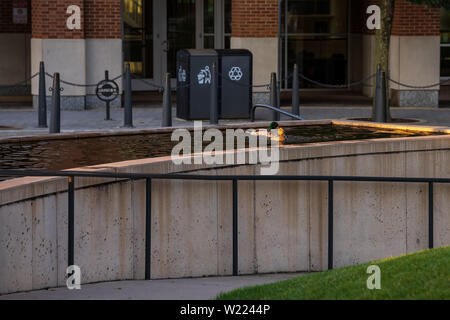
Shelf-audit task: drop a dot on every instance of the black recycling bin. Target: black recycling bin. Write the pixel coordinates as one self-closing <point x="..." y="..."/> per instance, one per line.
<point x="235" y="83"/>
<point x="194" y="83"/>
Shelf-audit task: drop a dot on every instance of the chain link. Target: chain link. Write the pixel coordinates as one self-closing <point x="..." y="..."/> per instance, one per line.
<point x="419" y="87"/>
<point x="20" y="83"/>
<point x="160" y="88"/>
<point x="353" y="84"/>
<point x="81" y="85"/>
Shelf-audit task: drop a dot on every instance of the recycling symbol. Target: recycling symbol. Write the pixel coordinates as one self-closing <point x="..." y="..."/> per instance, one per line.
<point x="235" y="74"/>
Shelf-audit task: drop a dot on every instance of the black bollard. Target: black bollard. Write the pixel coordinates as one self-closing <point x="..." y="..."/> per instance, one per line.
<point x="128" y="108"/>
<point x="274" y="96"/>
<point x="167" y="103"/>
<point x="42" y="110"/>
<point x="295" y="92"/>
<point x="214" y="106"/>
<point x="380" y="97"/>
<point x="55" y="119"/>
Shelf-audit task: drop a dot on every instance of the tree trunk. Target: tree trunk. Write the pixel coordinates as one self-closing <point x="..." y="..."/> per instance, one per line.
<point x="383" y="37"/>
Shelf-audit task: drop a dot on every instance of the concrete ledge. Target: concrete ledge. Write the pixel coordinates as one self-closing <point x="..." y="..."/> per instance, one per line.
<point x="282" y="225"/>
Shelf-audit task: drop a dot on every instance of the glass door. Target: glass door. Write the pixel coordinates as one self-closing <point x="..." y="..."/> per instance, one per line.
<point x="155" y="30"/>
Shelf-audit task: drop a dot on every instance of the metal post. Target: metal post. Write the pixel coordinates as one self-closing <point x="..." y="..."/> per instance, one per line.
<point x="55" y="119"/>
<point x="380" y="97"/>
<point x="128" y="109"/>
<point x="167" y="103"/>
<point x="108" y="111"/>
<point x="148" y="229"/>
<point x="295" y="92"/>
<point x="235" y="229"/>
<point x="430" y="215"/>
<point x="214" y="108"/>
<point x="273" y="96"/>
<point x="71" y="222"/>
<point x="330" y="224"/>
<point x="42" y="113"/>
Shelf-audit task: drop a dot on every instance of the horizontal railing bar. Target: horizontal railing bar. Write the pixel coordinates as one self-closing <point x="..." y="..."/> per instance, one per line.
<point x="138" y="176"/>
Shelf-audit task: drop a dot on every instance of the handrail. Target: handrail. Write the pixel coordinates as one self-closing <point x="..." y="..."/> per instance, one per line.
<point x="234" y="179"/>
<point x="266" y="106"/>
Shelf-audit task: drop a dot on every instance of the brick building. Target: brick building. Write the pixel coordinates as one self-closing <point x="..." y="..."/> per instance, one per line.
<point x="328" y="39"/>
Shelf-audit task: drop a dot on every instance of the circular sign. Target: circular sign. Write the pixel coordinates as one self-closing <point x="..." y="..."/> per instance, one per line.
<point x="107" y="90"/>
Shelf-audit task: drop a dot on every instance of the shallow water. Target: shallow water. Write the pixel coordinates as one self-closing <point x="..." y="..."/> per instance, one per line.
<point x="66" y="154"/>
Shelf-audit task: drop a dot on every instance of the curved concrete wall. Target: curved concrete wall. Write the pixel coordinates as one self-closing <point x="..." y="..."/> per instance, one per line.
<point x="282" y="225"/>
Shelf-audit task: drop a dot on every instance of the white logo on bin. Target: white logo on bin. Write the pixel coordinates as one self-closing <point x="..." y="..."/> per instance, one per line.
<point x="204" y="77"/>
<point x="181" y="75"/>
<point x="235" y="74"/>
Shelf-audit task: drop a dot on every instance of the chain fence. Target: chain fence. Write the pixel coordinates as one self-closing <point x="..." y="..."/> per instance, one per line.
<point x="226" y="78"/>
<point x="21" y="83"/>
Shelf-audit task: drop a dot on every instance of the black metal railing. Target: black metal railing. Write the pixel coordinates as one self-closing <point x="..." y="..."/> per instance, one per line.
<point x="274" y="109"/>
<point x="71" y="175"/>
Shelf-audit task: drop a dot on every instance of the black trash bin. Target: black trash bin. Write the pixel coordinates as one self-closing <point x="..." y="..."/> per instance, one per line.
<point x="235" y="83"/>
<point x="194" y="83"/>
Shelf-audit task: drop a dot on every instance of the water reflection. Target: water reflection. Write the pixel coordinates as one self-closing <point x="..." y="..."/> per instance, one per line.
<point x="66" y="154"/>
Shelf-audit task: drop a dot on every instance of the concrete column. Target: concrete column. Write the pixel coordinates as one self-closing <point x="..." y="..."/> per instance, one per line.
<point x="80" y="56"/>
<point x="103" y="46"/>
<point x="255" y="27"/>
<point x="415" y="55"/>
<point x="62" y="50"/>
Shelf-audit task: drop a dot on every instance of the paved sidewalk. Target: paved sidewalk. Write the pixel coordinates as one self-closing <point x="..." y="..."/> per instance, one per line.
<point x="177" y="289"/>
<point x="24" y="121"/>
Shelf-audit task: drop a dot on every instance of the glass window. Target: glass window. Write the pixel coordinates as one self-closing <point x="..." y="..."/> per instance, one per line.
<point x="445" y="43"/>
<point x="134" y="36"/>
<point x="315" y="38"/>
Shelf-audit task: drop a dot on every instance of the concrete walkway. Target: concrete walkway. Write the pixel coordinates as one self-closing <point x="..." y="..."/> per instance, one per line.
<point x="176" y="289"/>
<point x="20" y="122"/>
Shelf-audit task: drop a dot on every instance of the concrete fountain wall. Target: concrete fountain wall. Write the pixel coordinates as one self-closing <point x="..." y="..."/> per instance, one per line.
<point x="282" y="225"/>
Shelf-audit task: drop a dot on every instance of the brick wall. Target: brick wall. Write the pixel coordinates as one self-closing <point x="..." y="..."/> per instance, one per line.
<point x="415" y="20"/>
<point x="49" y="19"/>
<point x="99" y="19"/>
<point x="103" y="19"/>
<point x="6" y="18"/>
<point x="254" y="18"/>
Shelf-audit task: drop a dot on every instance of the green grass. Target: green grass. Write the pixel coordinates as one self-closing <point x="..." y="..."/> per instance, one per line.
<point x="422" y="275"/>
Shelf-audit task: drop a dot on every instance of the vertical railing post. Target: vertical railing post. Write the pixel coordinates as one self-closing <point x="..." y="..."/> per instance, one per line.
<point x="55" y="119"/>
<point x="295" y="92"/>
<point x="148" y="228"/>
<point x="128" y="103"/>
<point x="430" y="215"/>
<point x="42" y="112"/>
<point x="167" y="103"/>
<point x="214" y="107"/>
<point x="71" y="222"/>
<point x="330" y="224"/>
<point x="274" y="96"/>
<point x="108" y="111"/>
<point x="235" y="229"/>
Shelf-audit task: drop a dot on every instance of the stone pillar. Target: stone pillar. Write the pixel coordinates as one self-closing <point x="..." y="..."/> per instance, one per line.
<point x="415" y="54"/>
<point x="103" y="34"/>
<point x="80" y="56"/>
<point x="61" y="49"/>
<point x="255" y="27"/>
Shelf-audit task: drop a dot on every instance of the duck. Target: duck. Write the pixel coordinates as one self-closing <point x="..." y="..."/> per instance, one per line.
<point x="278" y="135"/>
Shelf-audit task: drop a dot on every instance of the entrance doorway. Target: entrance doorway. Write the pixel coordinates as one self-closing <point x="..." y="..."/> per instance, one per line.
<point x="155" y="30"/>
